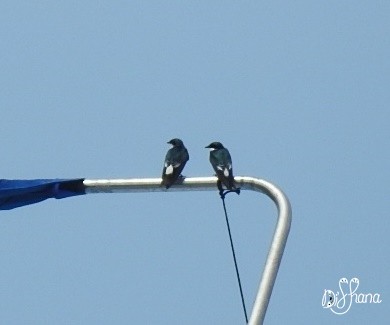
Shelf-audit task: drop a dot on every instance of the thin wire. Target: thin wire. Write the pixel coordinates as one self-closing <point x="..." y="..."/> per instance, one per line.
<point x="234" y="254"/>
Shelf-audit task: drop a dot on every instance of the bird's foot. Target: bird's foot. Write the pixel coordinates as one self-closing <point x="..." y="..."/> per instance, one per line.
<point x="223" y="193"/>
<point x="180" y="179"/>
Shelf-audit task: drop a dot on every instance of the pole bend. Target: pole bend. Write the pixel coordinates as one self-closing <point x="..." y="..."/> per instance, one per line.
<point x="279" y="239"/>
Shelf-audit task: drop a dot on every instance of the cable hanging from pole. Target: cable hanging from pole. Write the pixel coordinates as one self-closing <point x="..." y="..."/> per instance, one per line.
<point x="223" y="194"/>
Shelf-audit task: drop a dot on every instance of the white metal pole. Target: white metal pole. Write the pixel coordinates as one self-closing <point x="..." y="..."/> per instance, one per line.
<point x="209" y="184"/>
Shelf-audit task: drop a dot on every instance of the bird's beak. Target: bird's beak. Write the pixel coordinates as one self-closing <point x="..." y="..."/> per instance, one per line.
<point x="208" y="146"/>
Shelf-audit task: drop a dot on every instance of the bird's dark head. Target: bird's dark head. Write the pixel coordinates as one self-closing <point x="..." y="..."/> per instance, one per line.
<point x="215" y="145"/>
<point x="176" y="142"/>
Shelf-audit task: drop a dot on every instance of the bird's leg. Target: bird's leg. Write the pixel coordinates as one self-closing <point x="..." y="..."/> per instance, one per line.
<point x="222" y="192"/>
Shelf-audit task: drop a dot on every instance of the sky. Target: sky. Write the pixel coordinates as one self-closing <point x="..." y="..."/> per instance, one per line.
<point x="297" y="91"/>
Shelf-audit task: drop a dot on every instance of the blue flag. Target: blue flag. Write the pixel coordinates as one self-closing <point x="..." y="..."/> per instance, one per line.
<point x="17" y="193"/>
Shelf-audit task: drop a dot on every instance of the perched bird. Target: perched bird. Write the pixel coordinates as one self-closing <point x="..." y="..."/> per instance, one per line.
<point x="222" y="163"/>
<point x="175" y="160"/>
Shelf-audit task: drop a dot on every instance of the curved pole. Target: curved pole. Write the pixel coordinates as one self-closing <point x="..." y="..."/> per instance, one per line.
<point x="209" y="184"/>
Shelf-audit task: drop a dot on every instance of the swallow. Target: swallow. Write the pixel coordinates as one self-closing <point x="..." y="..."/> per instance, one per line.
<point x="222" y="164"/>
<point x="175" y="160"/>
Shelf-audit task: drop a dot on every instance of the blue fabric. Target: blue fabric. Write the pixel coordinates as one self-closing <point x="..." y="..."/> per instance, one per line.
<point x="17" y="193"/>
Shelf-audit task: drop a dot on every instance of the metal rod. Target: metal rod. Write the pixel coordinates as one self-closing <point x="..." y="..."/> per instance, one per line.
<point x="209" y="184"/>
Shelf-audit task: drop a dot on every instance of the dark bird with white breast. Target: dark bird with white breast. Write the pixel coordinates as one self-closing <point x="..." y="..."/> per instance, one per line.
<point x="175" y="160"/>
<point x="222" y="164"/>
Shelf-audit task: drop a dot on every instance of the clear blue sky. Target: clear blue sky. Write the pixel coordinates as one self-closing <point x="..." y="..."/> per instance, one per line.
<point x="298" y="92"/>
